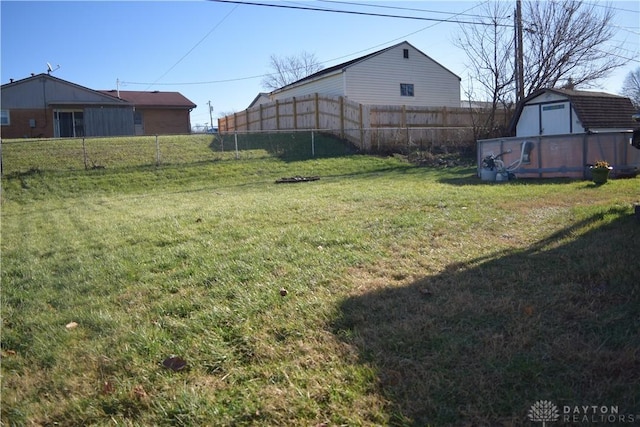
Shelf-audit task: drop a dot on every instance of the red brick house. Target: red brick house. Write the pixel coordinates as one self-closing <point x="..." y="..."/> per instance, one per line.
<point x="157" y="113"/>
<point x="43" y="106"/>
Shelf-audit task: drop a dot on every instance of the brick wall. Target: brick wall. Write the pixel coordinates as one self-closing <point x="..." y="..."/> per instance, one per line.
<point x="19" y="124"/>
<point x="165" y="122"/>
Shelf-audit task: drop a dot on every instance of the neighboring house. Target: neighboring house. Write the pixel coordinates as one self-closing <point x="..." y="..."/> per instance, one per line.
<point x="261" y="98"/>
<point x="157" y="113"/>
<point x="397" y="75"/>
<point x="44" y="106"/>
<point x="566" y="111"/>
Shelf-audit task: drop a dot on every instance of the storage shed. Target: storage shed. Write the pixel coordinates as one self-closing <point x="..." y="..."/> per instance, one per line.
<point x="560" y="132"/>
<point x="565" y="111"/>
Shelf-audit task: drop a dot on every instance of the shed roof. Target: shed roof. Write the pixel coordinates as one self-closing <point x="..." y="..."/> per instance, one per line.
<point x="348" y="64"/>
<point x="594" y="109"/>
<point x="155" y="99"/>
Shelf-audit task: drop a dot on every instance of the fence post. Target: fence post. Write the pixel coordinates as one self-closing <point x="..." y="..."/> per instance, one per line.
<point x="295" y="114"/>
<point x="1" y="163"/>
<point x="313" y="145"/>
<point x="317" y="105"/>
<point x="157" y="152"/>
<point x="235" y="137"/>
<point x="84" y="154"/>
<point x="342" y="117"/>
<point x="261" y="117"/>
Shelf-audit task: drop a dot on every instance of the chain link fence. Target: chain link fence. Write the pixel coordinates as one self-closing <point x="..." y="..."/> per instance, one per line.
<point x="22" y="155"/>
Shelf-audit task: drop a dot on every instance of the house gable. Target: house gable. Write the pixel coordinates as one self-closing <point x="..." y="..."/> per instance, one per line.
<point x="43" y="90"/>
<point x="376" y="78"/>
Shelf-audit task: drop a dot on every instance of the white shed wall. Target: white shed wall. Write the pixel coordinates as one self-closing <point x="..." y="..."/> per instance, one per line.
<point x="548" y="114"/>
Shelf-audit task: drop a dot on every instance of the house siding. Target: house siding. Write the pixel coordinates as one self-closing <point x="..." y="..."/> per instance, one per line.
<point x="43" y="91"/>
<point x="111" y="121"/>
<point x="331" y="85"/>
<point x="377" y="80"/>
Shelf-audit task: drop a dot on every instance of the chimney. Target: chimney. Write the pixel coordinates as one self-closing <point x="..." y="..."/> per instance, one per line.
<point x="10" y="80"/>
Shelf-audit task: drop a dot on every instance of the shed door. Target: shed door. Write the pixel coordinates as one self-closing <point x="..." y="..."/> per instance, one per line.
<point x="555" y="118"/>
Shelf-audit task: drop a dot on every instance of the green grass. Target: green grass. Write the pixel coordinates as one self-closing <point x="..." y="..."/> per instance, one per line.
<point x="416" y="296"/>
<point x="20" y="156"/>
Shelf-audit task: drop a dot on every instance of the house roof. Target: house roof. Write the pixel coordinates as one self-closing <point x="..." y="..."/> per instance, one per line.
<point x="352" y="62"/>
<point x="152" y="99"/>
<point x="594" y="109"/>
<point x="260" y="95"/>
<point x="107" y="96"/>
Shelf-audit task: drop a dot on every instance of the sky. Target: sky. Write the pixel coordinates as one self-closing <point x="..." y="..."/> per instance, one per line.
<point x="218" y="53"/>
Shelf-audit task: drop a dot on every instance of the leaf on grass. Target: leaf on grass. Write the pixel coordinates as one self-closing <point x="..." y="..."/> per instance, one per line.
<point x="139" y="392"/>
<point x="71" y="325"/>
<point x="107" y="387"/>
<point x="174" y="363"/>
<point x="528" y="310"/>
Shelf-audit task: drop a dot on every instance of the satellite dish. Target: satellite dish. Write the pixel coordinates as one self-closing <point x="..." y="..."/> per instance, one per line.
<point x="50" y="69"/>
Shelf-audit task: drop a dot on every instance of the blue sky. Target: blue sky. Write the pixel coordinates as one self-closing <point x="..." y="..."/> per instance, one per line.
<point x="218" y="52"/>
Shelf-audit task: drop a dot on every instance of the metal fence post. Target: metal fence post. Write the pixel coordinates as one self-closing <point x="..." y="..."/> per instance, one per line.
<point x="157" y="152"/>
<point x="84" y="154"/>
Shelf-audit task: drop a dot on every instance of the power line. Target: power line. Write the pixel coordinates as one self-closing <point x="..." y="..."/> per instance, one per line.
<point x="351" y="12"/>
<point x="324" y="62"/>
<point x="192" y="49"/>
<point x="410" y="9"/>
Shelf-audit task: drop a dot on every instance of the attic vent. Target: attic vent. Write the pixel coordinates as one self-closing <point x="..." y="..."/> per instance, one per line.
<point x="405" y="53"/>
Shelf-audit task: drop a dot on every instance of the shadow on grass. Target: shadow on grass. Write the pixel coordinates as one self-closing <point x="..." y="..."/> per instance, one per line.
<point x="481" y="342"/>
<point x="287" y="146"/>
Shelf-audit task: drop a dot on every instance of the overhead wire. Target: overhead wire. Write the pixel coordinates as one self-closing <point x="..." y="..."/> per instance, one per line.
<point x="439" y="21"/>
<point x="352" y="12"/>
<point x="190" y="50"/>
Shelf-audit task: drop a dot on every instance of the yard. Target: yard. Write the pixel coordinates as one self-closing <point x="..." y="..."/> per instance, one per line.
<point x="381" y="294"/>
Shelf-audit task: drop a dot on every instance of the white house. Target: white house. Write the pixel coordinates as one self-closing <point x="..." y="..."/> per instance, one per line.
<point x="397" y="75"/>
<point x="566" y="111"/>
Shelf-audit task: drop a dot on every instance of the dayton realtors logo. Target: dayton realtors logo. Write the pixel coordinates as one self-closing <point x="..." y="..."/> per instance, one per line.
<point x="543" y="411"/>
<point x="546" y="411"/>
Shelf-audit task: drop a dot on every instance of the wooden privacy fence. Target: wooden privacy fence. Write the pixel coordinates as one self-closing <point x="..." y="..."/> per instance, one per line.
<point x="369" y="127"/>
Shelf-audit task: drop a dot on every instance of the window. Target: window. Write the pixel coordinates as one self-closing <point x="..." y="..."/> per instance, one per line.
<point x="406" y="89"/>
<point x="405" y="53"/>
<point x="5" y="120"/>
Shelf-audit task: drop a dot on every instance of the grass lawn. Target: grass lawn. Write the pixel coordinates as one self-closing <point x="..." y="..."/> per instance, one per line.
<point x="414" y="296"/>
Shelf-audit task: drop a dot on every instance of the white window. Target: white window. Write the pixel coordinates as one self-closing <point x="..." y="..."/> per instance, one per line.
<point x="406" y="89"/>
<point x="5" y="119"/>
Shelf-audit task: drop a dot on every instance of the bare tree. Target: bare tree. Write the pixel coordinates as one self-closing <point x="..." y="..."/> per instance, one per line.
<point x="489" y="47"/>
<point x="289" y="69"/>
<point x="567" y="39"/>
<point x="631" y="87"/>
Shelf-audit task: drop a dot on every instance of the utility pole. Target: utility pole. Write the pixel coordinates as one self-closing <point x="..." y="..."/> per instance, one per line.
<point x="210" y="114"/>
<point x="519" y="53"/>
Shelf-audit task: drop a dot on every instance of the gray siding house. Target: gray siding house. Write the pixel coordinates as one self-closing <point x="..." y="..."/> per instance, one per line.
<point x="43" y="106"/>
<point x="397" y="75"/>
